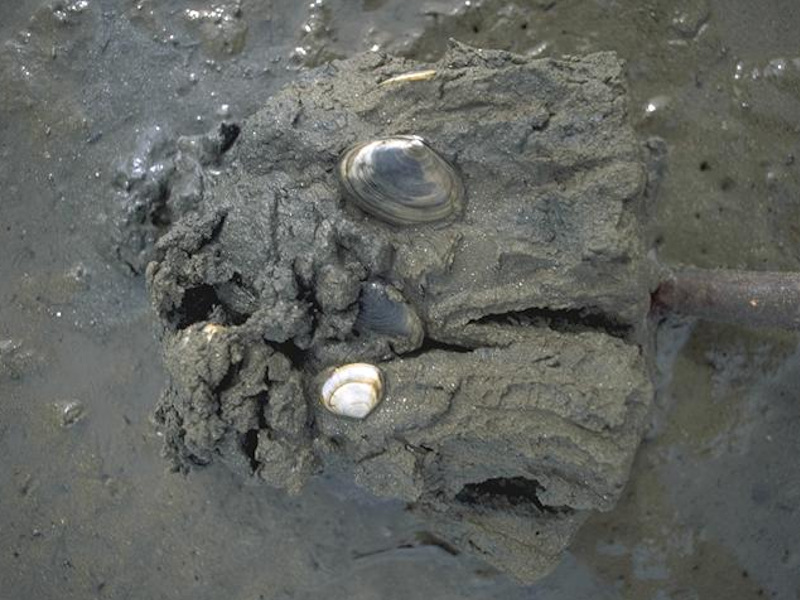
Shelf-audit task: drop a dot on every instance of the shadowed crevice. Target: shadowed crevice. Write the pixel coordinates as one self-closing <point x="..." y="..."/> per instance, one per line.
<point x="197" y="305"/>
<point x="563" y="320"/>
<point x="429" y="344"/>
<point x="508" y="492"/>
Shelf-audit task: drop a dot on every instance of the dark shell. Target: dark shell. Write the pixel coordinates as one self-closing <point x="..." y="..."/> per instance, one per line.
<point x="383" y="310"/>
<point x="400" y="180"/>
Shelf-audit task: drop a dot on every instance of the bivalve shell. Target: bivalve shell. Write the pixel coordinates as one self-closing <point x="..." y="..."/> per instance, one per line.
<point x="400" y="180"/>
<point x="383" y="310"/>
<point x="352" y="390"/>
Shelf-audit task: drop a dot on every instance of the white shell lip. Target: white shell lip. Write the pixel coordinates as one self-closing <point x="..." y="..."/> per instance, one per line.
<point x="352" y="390"/>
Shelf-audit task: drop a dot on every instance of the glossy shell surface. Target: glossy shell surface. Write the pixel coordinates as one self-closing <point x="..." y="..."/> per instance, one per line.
<point x="383" y="310"/>
<point x="352" y="390"/>
<point x="400" y="180"/>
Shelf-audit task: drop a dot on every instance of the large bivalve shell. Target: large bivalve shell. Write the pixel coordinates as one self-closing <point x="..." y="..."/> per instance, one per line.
<point x="400" y="180"/>
<point x="352" y="390"/>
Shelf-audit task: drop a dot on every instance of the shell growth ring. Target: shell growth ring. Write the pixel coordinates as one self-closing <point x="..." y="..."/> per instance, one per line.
<point x="400" y="180"/>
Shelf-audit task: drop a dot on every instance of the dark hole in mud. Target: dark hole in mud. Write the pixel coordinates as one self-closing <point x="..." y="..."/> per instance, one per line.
<point x="505" y="492"/>
<point x="261" y="404"/>
<point x="160" y="214"/>
<point x="235" y="318"/>
<point x="198" y="304"/>
<point x="227" y="382"/>
<point x="296" y="355"/>
<point x="228" y="134"/>
<point x="306" y="293"/>
<point x="249" y="442"/>
<point x="565" y="320"/>
<point x="232" y="292"/>
<point x="727" y="183"/>
<point x="146" y="205"/>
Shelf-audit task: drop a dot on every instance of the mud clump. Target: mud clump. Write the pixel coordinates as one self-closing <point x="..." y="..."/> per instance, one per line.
<point x="162" y="180"/>
<point x="515" y="408"/>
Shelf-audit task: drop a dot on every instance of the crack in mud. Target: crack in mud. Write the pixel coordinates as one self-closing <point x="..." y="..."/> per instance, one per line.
<point x="502" y="493"/>
<point x="563" y="320"/>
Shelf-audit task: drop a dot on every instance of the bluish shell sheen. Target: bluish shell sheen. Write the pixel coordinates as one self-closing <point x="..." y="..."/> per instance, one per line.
<point x="400" y="180"/>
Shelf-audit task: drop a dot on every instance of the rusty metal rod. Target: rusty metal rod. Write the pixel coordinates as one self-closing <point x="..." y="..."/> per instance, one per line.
<point x="748" y="298"/>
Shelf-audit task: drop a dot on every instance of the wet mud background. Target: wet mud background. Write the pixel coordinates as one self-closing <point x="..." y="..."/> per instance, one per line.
<point x="87" y="508"/>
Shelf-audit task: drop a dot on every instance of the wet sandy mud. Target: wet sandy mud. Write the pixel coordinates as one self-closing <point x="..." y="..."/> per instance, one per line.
<point x="116" y="121"/>
<point x="518" y="409"/>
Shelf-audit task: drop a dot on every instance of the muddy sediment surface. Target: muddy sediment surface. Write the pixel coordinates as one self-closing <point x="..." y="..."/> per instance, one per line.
<point x="520" y="406"/>
<point x="87" y="507"/>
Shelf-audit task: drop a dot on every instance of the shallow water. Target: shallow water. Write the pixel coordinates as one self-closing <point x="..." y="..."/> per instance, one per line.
<point x="87" y="508"/>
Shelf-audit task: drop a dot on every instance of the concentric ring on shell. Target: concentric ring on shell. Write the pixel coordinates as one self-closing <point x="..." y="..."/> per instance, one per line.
<point x="352" y="390"/>
<point x="384" y="312"/>
<point x="400" y="180"/>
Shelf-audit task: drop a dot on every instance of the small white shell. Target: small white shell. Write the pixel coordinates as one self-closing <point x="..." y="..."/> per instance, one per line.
<point x="352" y="390"/>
